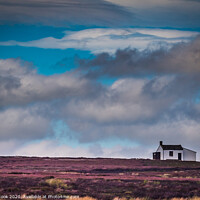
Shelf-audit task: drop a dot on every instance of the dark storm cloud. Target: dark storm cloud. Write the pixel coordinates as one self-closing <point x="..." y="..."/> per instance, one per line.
<point x="182" y="14"/>
<point x="164" y="13"/>
<point x="64" y="12"/>
<point x="183" y="58"/>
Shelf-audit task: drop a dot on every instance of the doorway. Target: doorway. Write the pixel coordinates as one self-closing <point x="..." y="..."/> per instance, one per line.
<point x="179" y="156"/>
<point x="156" y="155"/>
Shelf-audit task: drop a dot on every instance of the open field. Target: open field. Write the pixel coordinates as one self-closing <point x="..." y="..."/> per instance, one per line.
<point x="102" y="179"/>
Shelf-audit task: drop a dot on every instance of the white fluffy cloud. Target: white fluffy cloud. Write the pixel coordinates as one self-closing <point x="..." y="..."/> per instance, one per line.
<point x="124" y="102"/>
<point x="26" y="99"/>
<point x="20" y="84"/>
<point x="109" y="40"/>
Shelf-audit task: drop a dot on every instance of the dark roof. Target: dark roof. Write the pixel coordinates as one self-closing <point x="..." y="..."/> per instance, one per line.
<point x="172" y="147"/>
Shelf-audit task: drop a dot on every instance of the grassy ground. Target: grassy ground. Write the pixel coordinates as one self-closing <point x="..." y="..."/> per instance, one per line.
<point x="101" y="179"/>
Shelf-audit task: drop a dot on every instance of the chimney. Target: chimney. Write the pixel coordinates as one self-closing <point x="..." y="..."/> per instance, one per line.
<point x="161" y="143"/>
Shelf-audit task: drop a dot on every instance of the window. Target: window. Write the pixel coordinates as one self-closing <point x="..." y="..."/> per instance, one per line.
<point x="170" y="153"/>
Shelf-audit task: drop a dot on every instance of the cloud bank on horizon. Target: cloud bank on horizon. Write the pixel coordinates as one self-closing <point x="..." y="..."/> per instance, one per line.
<point x="135" y="78"/>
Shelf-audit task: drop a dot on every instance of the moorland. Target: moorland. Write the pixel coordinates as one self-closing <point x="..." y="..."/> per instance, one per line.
<point x="98" y="178"/>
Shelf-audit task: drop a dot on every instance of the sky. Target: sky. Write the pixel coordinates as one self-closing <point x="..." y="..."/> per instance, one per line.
<point x="99" y="78"/>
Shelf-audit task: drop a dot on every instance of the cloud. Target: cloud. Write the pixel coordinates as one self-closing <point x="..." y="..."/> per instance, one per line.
<point x="21" y="85"/>
<point x="126" y="101"/>
<point x="163" y="13"/>
<point x="182" y="58"/>
<point x="138" y="107"/>
<point x="64" y="12"/>
<point x="118" y="13"/>
<point x="182" y="131"/>
<point x="198" y="1"/>
<point x="160" y="102"/>
<point x="177" y="129"/>
<point x="140" y="110"/>
<point x="9" y="146"/>
<point x="27" y="99"/>
<point x="147" y="136"/>
<point x="24" y="124"/>
<point x="155" y="96"/>
<point x="52" y="148"/>
<point x="99" y="40"/>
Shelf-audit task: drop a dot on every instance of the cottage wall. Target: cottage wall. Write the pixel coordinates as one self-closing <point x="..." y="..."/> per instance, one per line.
<point x="189" y="155"/>
<point x="161" y="152"/>
<point x="175" y="154"/>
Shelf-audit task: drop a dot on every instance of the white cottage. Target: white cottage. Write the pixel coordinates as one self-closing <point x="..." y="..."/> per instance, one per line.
<point x="174" y="152"/>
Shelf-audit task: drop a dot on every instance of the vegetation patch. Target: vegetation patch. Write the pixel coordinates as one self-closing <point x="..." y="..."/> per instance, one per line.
<point x="57" y="183"/>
